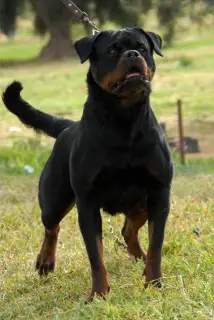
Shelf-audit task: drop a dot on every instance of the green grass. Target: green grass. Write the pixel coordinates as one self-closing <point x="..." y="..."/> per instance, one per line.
<point x="25" y="50"/>
<point x="186" y="72"/>
<point x="188" y="261"/>
<point x="30" y="152"/>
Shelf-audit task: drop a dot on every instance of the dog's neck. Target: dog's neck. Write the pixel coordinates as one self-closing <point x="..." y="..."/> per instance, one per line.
<point x="110" y="115"/>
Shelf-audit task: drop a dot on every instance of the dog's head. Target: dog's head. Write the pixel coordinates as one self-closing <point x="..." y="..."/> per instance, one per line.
<point x="121" y="62"/>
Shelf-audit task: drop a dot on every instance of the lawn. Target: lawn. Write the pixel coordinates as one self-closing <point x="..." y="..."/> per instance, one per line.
<point x="188" y="261"/>
<point x="185" y="72"/>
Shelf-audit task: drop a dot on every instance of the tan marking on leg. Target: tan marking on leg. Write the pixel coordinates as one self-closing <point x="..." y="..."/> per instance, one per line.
<point x="130" y="234"/>
<point x="46" y="259"/>
<point x="100" y="284"/>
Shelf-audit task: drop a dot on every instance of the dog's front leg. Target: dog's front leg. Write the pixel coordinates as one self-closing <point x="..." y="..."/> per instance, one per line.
<point x="158" y="209"/>
<point x="90" y="222"/>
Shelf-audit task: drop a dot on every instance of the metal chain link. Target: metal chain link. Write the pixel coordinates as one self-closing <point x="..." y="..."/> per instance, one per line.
<point x="82" y="16"/>
<point x="119" y="242"/>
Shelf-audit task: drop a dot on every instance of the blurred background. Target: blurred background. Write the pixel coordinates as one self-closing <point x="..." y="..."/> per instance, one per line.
<point x="36" y="47"/>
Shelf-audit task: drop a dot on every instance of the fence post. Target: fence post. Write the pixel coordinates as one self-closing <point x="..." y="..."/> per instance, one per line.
<point x="181" y="135"/>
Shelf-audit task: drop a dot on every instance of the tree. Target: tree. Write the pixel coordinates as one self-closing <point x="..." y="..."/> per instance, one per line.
<point x="49" y="16"/>
<point x="168" y="13"/>
<point x="53" y="17"/>
<point x="9" y="9"/>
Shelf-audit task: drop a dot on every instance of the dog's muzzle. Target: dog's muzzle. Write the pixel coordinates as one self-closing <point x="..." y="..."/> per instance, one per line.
<point x="134" y="71"/>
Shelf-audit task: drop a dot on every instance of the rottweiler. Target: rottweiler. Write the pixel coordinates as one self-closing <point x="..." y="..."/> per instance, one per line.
<point x="115" y="158"/>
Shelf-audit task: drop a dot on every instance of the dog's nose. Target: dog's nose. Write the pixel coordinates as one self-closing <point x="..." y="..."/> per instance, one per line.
<point x="131" y="54"/>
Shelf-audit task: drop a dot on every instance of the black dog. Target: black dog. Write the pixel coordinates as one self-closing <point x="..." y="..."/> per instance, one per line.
<point x="115" y="157"/>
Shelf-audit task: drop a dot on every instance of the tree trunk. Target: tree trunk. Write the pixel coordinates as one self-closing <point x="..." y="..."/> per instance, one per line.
<point x="54" y="18"/>
<point x="60" y="44"/>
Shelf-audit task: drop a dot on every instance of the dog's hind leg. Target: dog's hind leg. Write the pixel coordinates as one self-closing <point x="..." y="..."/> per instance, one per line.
<point x="45" y="262"/>
<point x="130" y="229"/>
<point x="56" y="198"/>
<point x="51" y="218"/>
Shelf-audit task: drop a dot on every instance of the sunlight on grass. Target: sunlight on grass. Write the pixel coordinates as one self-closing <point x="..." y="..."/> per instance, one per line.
<point x="26" y="50"/>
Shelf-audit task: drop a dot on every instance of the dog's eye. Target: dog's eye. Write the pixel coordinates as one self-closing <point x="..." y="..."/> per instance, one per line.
<point x="112" y="51"/>
<point x="142" y="49"/>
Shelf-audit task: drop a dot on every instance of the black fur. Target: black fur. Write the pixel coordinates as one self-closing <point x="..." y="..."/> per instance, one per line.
<point x="116" y="157"/>
<point x="31" y="117"/>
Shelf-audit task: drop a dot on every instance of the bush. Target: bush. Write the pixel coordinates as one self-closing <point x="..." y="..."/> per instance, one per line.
<point x="185" y="61"/>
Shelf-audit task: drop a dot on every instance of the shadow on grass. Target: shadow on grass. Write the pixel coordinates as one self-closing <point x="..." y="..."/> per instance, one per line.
<point x="31" y="62"/>
<point x="20" y="63"/>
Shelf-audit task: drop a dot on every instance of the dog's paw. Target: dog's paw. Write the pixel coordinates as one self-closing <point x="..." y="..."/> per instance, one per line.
<point x="152" y="279"/>
<point x="155" y="283"/>
<point x="100" y="294"/>
<point x="45" y="264"/>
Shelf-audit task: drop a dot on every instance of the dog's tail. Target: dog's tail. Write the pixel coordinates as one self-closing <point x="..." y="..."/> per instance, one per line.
<point x="31" y="117"/>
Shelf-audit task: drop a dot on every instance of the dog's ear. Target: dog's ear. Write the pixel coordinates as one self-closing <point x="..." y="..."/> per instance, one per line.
<point x="84" y="46"/>
<point x="156" y="41"/>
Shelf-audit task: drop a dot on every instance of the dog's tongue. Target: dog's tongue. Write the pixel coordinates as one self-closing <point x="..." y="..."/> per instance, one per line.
<point x="132" y="74"/>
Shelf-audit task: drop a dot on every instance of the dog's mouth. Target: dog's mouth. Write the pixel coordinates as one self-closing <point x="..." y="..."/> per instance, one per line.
<point x="133" y="75"/>
<point x="134" y="72"/>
